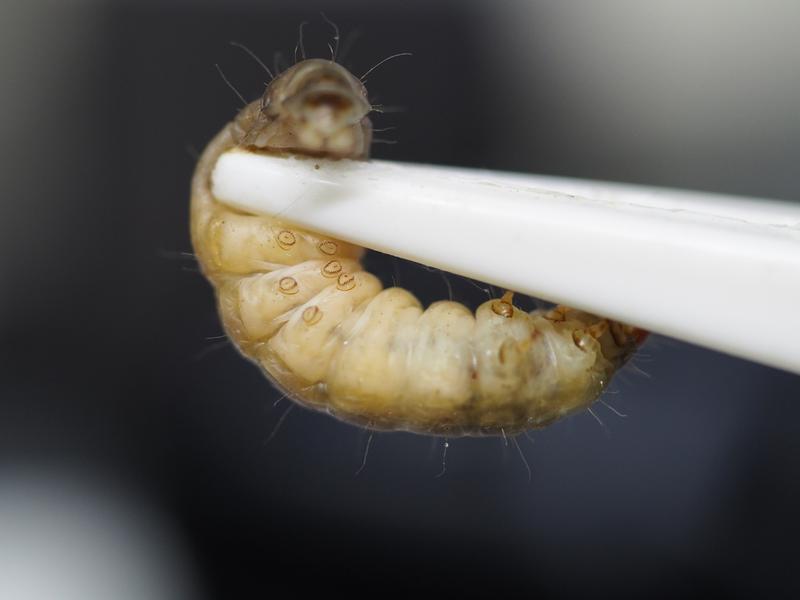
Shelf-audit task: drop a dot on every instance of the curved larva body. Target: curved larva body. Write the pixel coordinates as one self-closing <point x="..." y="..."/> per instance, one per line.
<point x="300" y="305"/>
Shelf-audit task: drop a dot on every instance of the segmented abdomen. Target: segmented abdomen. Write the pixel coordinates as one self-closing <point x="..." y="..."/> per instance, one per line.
<point x="325" y="331"/>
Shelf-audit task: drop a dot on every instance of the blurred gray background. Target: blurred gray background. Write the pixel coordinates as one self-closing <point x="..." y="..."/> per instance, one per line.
<point x="127" y="426"/>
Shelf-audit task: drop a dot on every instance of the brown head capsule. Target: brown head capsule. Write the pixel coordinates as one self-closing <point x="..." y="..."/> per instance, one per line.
<point x="317" y="107"/>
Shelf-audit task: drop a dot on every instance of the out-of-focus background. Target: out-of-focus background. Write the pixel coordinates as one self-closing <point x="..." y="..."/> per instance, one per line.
<point x="134" y="451"/>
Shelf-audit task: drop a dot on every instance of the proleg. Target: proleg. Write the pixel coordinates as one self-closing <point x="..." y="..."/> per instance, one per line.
<point x="322" y="329"/>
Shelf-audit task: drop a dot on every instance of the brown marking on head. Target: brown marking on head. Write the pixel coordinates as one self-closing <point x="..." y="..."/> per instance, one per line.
<point x="316" y="108"/>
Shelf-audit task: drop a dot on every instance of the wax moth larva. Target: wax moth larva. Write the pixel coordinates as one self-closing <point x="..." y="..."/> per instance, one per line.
<point x="326" y="332"/>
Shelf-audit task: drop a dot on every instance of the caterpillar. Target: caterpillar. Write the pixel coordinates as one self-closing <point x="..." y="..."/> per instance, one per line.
<point x="327" y="333"/>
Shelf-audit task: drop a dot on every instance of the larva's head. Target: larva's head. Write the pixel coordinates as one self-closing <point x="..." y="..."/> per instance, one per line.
<point x="317" y="107"/>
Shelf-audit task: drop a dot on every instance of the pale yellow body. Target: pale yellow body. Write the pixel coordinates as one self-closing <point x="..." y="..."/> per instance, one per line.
<point x="326" y="332"/>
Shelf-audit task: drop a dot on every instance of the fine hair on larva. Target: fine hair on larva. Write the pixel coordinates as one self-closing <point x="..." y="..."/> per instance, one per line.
<point x="327" y="333"/>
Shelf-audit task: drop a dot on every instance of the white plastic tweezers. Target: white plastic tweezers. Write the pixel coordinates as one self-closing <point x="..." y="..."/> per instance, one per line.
<point x="719" y="271"/>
